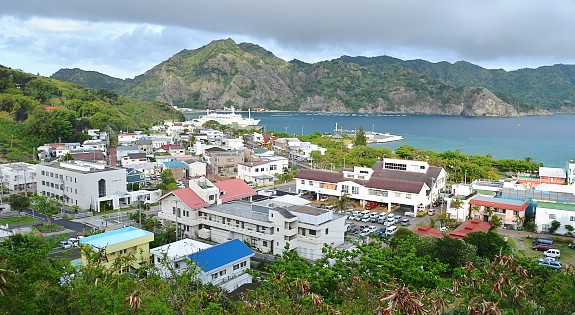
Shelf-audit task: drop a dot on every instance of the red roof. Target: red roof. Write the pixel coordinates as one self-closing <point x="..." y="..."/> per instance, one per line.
<point x="470" y="226"/>
<point x="234" y="189"/>
<point x="168" y="146"/>
<point x="190" y="198"/>
<point x="498" y="203"/>
<point x="49" y="107"/>
<point x="425" y="230"/>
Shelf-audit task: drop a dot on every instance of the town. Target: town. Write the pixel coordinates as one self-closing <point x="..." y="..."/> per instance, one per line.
<point x="235" y="200"/>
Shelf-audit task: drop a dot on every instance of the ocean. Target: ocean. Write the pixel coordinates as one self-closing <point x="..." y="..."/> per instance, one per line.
<point x="546" y="139"/>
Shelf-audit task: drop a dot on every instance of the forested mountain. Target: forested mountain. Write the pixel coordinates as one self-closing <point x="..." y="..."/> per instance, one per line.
<point x="224" y="73"/>
<point x="35" y="110"/>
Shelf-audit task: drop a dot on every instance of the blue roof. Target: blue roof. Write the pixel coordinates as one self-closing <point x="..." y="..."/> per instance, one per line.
<point x="220" y="255"/>
<point x="175" y="164"/>
<point x="114" y="237"/>
<point x="126" y="147"/>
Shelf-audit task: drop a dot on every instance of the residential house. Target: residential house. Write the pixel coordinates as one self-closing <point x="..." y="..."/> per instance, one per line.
<point x="95" y="145"/>
<point x="263" y="172"/>
<point x="233" y="143"/>
<point x="196" y="168"/>
<point x="132" y="159"/>
<point x="124" y="150"/>
<point x="225" y="162"/>
<point x="92" y="155"/>
<point x="179" y="169"/>
<point x="145" y="146"/>
<point x="112" y="245"/>
<point x="129" y="138"/>
<point x="223" y="265"/>
<point x="83" y="184"/>
<point x="135" y="179"/>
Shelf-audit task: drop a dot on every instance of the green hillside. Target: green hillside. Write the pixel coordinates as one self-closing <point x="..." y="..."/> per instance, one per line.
<point x="224" y="73"/>
<point x="36" y="110"/>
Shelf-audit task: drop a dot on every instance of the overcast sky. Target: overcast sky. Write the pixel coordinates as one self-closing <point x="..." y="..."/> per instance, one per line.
<point x="124" y="38"/>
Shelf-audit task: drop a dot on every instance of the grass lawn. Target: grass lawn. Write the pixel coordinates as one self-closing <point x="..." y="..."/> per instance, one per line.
<point x="523" y="244"/>
<point x="21" y="220"/>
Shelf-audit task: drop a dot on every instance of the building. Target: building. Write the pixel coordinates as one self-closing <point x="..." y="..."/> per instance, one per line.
<point x="510" y="211"/>
<point x="424" y="230"/>
<point x="225" y="162"/>
<point x="223" y="265"/>
<point x="267" y="226"/>
<point x="469" y="226"/>
<point x="124" y="150"/>
<point x="408" y="183"/>
<point x="132" y="159"/>
<point x="18" y="176"/>
<point x="196" y="168"/>
<point x="179" y="169"/>
<point x="135" y="179"/>
<point x="83" y="184"/>
<point x="128" y="241"/>
<point x="130" y="138"/>
<point x="262" y="173"/>
<point x="547" y="212"/>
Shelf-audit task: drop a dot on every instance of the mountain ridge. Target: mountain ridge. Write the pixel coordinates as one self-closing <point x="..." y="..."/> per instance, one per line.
<point x="223" y="73"/>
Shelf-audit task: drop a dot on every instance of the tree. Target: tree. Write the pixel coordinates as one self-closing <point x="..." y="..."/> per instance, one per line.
<point x="488" y="244"/>
<point x="211" y="124"/>
<point x="47" y="206"/>
<point x="569" y="229"/>
<point x="554" y="226"/>
<point x="473" y="209"/>
<point x="18" y="203"/>
<point x="495" y="223"/>
<point x="360" y="138"/>
<point x="343" y="203"/>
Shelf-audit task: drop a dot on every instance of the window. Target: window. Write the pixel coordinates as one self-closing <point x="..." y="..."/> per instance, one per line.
<point x="303" y="182"/>
<point x="236" y="266"/>
<point x="551" y="216"/>
<point x="312" y="232"/>
<point x="43" y="183"/>
<point x="572" y="218"/>
<point x="397" y="195"/>
<point x="516" y="213"/>
<point x="177" y="265"/>
<point x="223" y="272"/>
<point x="243" y="264"/>
<point x="214" y="276"/>
<point x="326" y="231"/>
<point x="278" y="229"/>
<point x="395" y="166"/>
<point x="355" y="190"/>
<point x="407" y="196"/>
<point x="265" y="243"/>
<point x="102" y="188"/>
<point x="273" y="167"/>
<point x="309" y="182"/>
<point x="364" y="172"/>
<point x="43" y="172"/>
<point x="345" y="189"/>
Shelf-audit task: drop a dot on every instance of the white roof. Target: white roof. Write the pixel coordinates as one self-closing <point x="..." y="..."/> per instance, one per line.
<point x="286" y="201"/>
<point x="181" y="248"/>
<point x="569" y="189"/>
<point x="552" y="172"/>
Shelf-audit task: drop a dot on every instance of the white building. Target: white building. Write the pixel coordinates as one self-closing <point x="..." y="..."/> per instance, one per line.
<point x="547" y="212"/>
<point x="133" y="159"/>
<point x="223" y="265"/>
<point x="267" y="227"/>
<point x="196" y="168"/>
<point x="83" y="184"/>
<point x="263" y="172"/>
<point x="129" y="138"/>
<point x="394" y="182"/>
<point x="18" y="176"/>
<point x="571" y="172"/>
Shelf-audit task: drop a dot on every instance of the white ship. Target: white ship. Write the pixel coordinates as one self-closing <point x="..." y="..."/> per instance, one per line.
<point x="230" y="118"/>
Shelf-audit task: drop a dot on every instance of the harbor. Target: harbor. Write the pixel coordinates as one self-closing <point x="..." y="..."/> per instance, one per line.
<point x="371" y="136"/>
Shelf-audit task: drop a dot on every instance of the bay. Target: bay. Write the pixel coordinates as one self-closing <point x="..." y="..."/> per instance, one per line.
<point x="545" y="139"/>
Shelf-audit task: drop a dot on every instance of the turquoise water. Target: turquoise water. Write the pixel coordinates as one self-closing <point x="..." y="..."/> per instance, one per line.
<point x="546" y="139"/>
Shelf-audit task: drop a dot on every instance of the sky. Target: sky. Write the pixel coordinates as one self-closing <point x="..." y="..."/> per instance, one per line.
<point x="125" y="38"/>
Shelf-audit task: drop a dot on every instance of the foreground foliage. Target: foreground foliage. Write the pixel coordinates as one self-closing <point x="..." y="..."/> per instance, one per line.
<point x="406" y="278"/>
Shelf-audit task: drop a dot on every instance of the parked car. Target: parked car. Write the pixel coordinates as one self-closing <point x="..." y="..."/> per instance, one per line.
<point x="73" y="241"/>
<point x="543" y="247"/>
<point x="365" y="218"/>
<point x="353" y="231"/>
<point x="323" y="198"/>
<point x="555" y="253"/>
<point x="390" y="230"/>
<point x="65" y="245"/>
<point x="405" y="222"/>
<point x="553" y="264"/>
<point x="431" y="211"/>
<point x="409" y="214"/>
<point x="542" y="240"/>
<point x="388" y="223"/>
<point x="370" y="205"/>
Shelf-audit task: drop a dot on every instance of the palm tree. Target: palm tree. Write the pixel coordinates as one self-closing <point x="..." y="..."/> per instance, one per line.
<point x="473" y="209"/>
<point x="489" y="212"/>
<point x="456" y="204"/>
<point x="343" y="203"/>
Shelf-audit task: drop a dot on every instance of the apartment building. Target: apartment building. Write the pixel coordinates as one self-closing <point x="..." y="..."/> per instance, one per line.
<point x="268" y="227"/>
<point x="18" y="176"/>
<point x="262" y="173"/>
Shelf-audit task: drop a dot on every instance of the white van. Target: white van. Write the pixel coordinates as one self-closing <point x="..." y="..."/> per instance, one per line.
<point x="410" y="214"/>
<point x="390" y="230"/>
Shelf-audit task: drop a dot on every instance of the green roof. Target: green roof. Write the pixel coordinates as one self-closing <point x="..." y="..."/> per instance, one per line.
<point x="484" y="192"/>
<point x="556" y="206"/>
